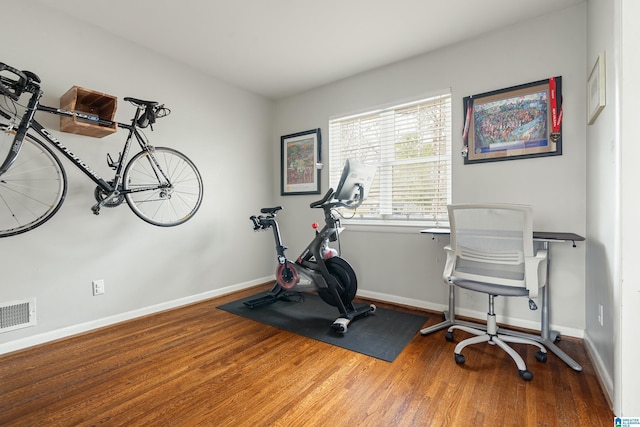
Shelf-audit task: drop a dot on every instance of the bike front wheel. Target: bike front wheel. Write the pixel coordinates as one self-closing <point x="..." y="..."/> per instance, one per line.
<point x="162" y="187"/>
<point x="32" y="189"/>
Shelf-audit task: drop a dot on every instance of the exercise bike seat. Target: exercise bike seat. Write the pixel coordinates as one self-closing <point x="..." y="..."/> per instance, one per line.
<point x="270" y="210"/>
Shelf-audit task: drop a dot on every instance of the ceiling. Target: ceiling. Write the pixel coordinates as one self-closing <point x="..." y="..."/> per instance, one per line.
<point x="277" y="48"/>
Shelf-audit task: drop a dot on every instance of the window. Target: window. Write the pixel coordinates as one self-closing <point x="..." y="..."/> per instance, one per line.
<point x="411" y="146"/>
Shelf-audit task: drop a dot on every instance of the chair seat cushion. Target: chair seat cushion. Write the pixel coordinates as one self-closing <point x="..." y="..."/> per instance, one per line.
<point x="489" y="288"/>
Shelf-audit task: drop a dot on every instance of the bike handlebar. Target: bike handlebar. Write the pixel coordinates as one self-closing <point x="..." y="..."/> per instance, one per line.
<point x="329" y="203"/>
<point x="322" y="201"/>
<point x="14" y="88"/>
<point x="262" y="222"/>
<point x="14" y="82"/>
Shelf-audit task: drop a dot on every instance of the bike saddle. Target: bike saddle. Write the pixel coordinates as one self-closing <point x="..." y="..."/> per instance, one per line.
<point x="141" y="102"/>
<point x="270" y="210"/>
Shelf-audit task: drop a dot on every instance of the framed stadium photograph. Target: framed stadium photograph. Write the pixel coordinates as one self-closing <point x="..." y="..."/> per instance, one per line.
<point x="514" y="123"/>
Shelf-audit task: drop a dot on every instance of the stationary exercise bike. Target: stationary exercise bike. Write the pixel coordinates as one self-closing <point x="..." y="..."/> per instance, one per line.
<point x="320" y="267"/>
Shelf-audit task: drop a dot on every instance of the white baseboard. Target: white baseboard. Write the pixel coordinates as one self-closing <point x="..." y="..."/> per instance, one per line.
<point x="394" y="299"/>
<point x="57" y="334"/>
<point x="606" y="381"/>
<point x="520" y="323"/>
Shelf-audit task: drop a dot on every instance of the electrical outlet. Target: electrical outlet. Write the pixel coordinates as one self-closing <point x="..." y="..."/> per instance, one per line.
<point x="601" y="314"/>
<point x="98" y="287"/>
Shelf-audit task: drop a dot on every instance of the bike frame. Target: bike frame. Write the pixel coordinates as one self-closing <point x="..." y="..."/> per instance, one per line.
<point x="311" y="258"/>
<point x="311" y="261"/>
<point x="29" y="122"/>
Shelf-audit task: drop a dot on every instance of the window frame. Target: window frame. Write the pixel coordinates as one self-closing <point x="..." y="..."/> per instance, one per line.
<point x="441" y="100"/>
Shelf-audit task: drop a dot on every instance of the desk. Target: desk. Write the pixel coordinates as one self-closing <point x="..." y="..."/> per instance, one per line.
<point x="547" y="337"/>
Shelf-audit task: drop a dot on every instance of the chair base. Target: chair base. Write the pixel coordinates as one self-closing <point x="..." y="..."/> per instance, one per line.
<point x="491" y="336"/>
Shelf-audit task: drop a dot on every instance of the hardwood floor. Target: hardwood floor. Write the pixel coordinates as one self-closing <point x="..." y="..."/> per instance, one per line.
<point x="198" y="365"/>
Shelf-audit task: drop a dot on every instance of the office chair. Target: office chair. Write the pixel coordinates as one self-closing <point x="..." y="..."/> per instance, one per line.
<point x="491" y="251"/>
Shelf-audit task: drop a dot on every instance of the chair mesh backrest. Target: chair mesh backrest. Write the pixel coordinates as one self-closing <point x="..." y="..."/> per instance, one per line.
<point x="491" y="242"/>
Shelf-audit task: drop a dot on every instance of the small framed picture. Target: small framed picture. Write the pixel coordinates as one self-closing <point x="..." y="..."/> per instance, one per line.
<point x="300" y="157"/>
<point x="596" y="94"/>
<point x="514" y="123"/>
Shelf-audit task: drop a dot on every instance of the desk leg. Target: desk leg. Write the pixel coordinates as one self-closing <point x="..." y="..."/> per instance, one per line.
<point x="547" y="337"/>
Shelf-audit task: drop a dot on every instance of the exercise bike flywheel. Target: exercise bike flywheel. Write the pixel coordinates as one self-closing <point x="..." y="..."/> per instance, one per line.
<point x="347" y="282"/>
<point x="287" y="276"/>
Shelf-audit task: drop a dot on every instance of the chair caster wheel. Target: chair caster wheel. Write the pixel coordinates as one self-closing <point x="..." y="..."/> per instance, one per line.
<point x="460" y="359"/>
<point x="541" y="356"/>
<point x="448" y="336"/>
<point x="373" y="308"/>
<point x="526" y="375"/>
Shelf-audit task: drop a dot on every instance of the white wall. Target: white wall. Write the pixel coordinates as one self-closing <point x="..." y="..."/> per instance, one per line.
<point x="224" y="130"/>
<point x="603" y="197"/>
<point x="401" y="265"/>
<point x="627" y="375"/>
<point x="612" y="205"/>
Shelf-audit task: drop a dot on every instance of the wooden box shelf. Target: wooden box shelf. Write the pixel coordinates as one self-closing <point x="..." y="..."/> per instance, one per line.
<point x="90" y="102"/>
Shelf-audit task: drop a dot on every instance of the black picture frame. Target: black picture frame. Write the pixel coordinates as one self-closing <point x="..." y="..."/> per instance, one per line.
<point x="517" y="122"/>
<point x="300" y="157"/>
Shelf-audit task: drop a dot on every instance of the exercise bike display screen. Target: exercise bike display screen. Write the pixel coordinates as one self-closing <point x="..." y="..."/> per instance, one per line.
<point x="354" y="177"/>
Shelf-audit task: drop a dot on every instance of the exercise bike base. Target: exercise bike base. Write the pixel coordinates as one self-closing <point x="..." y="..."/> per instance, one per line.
<point x="267" y="299"/>
<point x="270" y="298"/>
<point x="340" y="325"/>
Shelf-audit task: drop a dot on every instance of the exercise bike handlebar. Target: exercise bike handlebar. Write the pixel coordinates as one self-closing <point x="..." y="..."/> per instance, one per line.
<point x="262" y="222"/>
<point x="322" y="201"/>
<point x="329" y="203"/>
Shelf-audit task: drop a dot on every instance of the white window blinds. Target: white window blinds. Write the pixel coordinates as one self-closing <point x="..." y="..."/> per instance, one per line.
<point x="410" y="144"/>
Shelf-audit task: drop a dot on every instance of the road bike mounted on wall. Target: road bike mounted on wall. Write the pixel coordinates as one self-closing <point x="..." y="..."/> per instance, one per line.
<point x="320" y="267"/>
<point x="161" y="185"/>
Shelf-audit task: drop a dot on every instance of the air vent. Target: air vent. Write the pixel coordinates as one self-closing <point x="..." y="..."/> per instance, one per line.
<point x="17" y="315"/>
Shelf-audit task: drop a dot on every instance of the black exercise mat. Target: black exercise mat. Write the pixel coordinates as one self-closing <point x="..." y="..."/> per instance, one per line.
<point x="382" y="334"/>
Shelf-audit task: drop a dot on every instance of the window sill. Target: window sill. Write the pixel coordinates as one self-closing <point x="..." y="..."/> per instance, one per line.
<point x="398" y="227"/>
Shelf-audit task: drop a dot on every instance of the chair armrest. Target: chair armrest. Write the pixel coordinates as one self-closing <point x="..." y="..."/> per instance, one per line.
<point x="448" y="266"/>
<point x="534" y="278"/>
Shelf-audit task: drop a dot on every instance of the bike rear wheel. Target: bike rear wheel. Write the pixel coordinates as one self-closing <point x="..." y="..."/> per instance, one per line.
<point x="32" y="189"/>
<point x="180" y="192"/>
